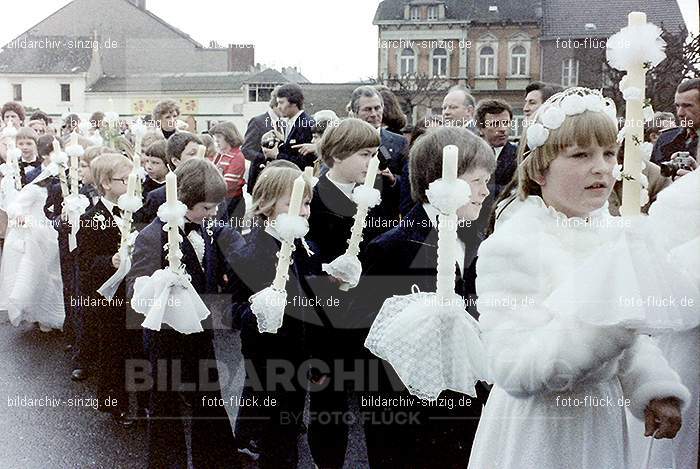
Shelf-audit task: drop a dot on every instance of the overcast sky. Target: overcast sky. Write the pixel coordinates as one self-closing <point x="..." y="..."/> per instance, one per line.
<point x="329" y="40"/>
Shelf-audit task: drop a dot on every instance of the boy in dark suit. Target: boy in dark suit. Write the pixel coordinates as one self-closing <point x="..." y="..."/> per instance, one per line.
<point x="177" y="359"/>
<point x="104" y="339"/>
<point x="397" y="260"/>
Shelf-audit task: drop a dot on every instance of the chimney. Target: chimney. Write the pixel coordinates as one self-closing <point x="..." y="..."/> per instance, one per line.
<point x="140" y="4"/>
<point x="241" y="57"/>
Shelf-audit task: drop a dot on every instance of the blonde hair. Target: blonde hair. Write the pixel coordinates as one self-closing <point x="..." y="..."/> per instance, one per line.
<point x="585" y="129"/>
<point x="93" y="152"/>
<point x="274" y="182"/>
<point x="349" y="136"/>
<point x="105" y="165"/>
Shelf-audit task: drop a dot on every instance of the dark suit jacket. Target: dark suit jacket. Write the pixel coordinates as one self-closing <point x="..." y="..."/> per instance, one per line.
<point x="97" y="244"/>
<point x="301" y="132"/>
<point x="506" y="164"/>
<point x="257" y="126"/>
<point x="149" y="212"/>
<point x="671" y="141"/>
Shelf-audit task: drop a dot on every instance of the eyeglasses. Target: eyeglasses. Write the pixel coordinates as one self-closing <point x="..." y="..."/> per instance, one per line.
<point x="124" y="180"/>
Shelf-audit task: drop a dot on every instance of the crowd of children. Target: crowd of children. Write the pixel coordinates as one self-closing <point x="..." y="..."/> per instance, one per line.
<point x="230" y="249"/>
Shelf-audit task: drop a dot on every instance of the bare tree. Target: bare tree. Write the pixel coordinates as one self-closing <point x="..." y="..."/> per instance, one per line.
<point x="417" y="90"/>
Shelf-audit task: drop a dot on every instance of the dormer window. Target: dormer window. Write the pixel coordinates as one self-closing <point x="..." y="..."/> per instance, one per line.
<point x="415" y="13"/>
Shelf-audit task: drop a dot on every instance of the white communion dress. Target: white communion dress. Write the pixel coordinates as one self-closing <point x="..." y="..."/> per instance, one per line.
<point x="562" y="381"/>
<point x="30" y="275"/>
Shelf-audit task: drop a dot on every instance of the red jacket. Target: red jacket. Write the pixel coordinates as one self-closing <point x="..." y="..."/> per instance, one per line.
<point x="232" y="167"/>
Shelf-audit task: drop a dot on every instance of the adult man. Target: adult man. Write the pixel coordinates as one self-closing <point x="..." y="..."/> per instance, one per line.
<point x="537" y="93"/>
<point x="257" y="127"/>
<point x="493" y="119"/>
<point x="366" y="103"/>
<point x="297" y="126"/>
<point x="458" y="108"/>
<point x="685" y="137"/>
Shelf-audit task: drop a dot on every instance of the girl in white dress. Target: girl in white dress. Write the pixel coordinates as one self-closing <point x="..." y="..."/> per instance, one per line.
<point x="562" y="383"/>
<point x="30" y="276"/>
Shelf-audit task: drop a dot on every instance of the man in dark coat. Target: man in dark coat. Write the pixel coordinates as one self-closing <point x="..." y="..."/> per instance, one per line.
<point x="685" y="137"/>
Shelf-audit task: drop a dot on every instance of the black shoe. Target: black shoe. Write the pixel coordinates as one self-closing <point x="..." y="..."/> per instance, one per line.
<point x="79" y="374"/>
<point x="123" y="419"/>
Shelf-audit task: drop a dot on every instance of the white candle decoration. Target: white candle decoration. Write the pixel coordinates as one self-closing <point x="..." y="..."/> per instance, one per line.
<point x="297" y="196"/>
<point x="61" y="172"/>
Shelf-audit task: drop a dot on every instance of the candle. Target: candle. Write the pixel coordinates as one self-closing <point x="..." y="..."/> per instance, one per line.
<point x="130" y="191"/>
<point x="309" y="173"/>
<point x="74" y="174"/>
<point x="170" y="188"/>
<point x="201" y="151"/>
<point x="449" y="162"/>
<point x="131" y="186"/>
<point x="61" y="171"/>
<point x="372" y="171"/>
<point x="634" y="134"/>
<point x="297" y="196"/>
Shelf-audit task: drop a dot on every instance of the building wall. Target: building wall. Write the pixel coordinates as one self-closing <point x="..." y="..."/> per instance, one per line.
<point x="590" y="60"/>
<point x="44" y="91"/>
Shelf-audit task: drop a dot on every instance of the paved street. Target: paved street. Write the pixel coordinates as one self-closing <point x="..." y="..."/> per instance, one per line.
<point x="66" y="431"/>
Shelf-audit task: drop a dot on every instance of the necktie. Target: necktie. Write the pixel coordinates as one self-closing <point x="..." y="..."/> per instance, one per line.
<point x="116" y="211"/>
<point x="190" y="226"/>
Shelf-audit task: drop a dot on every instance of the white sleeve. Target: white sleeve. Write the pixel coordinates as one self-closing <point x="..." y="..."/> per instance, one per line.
<point x="645" y="375"/>
<point x="530" y="348"/>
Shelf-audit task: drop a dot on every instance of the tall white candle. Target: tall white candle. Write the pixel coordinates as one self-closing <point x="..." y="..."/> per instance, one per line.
<point x="372" y="171"/>
<point x="74" y="174"/>
<point x="131" y="186"/>
<point x="449" y="162"/>
<point x="309" y="172"/>
<point x="61" y="171"/>
<point x="170" y="188"/>
<point x="634" y="134"/>
<point x="201" y="151"/>
<point x="297" y="196"/>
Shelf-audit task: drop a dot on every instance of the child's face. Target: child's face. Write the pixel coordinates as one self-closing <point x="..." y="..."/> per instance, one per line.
<point x="579" y="180"/>
<point x="354" y="167"/>
<point x="39" y="127"/>
<point x="84" y="173"/>
<point x="11" y="117"/>
<point x="27" y="146"/>
<point x="155" y="167"/>
<point x="282" y="206"/>
<point x="117" y="184"/>
<point x="221" y="142"/>
<point x="201" y="211"/>
<point x="190" y="151"/>
<point x="477" y="179"/>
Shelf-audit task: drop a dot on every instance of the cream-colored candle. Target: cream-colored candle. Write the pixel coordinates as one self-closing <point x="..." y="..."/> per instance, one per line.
<point x="201" y="151"/>
<point x="309" y="172"/>
<point x="127" y="216"/>
<point x="74" y="174"/>
<point x="61" y="171"/>
<point x="131" y="186"/>
<point x="372" y="171"/>
<point x="173" y="235"/>
<point x="449" y="162"/>
<point x="634" y="133"/>
<point x="297" y="196"/>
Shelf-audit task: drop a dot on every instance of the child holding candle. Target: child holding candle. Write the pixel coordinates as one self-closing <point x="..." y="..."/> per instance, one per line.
<point x="273" y="429"/>
<point x="347" y="150"/>
<point x="177" y="358"/>
<point x="405" y="256"/>
<point x="103" y="340"/>
<point x="550" y="368"/>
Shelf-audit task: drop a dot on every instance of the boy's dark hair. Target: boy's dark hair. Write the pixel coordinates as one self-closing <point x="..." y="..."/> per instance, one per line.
<point x="13" y="106"/>
<point x="96" y="118"/>
<point x="40" y="116"/>
<point x="176" y="145"/>
<point x="293" y="93"/>
<point x="199" y="180"/>
<point x="158" y="150"/>
<point x="491" y="106"/>
<point x="546" y="89"/>
<point x="44" y="145"/>
<point x="425" y="157"/>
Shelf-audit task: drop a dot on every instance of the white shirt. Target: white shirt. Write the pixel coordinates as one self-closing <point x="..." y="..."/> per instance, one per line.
<point x="110" y="206"/>
<point x="290" y="124"/>
<point x="433" y="217"/>
<point x="497" y="151"/>
<point x="345" y="187"/>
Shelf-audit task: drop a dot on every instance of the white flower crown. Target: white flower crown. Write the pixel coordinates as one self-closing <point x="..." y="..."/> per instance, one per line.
<point x="570" y="102"/>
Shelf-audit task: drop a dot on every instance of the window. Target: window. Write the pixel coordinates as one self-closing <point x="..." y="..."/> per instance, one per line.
<point x="415" y="13"/>
<point x="432" y="13"/>
<point x="65" y="92"/>
<point x="569" y="72"/>
<point x="439" y="62"/>
<point x="518" y="61"/>
<point x="487" y="60"/>
<point x="408" y="62"/>
<point x="260" y="93"/>
<point x="17" y="92"/>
